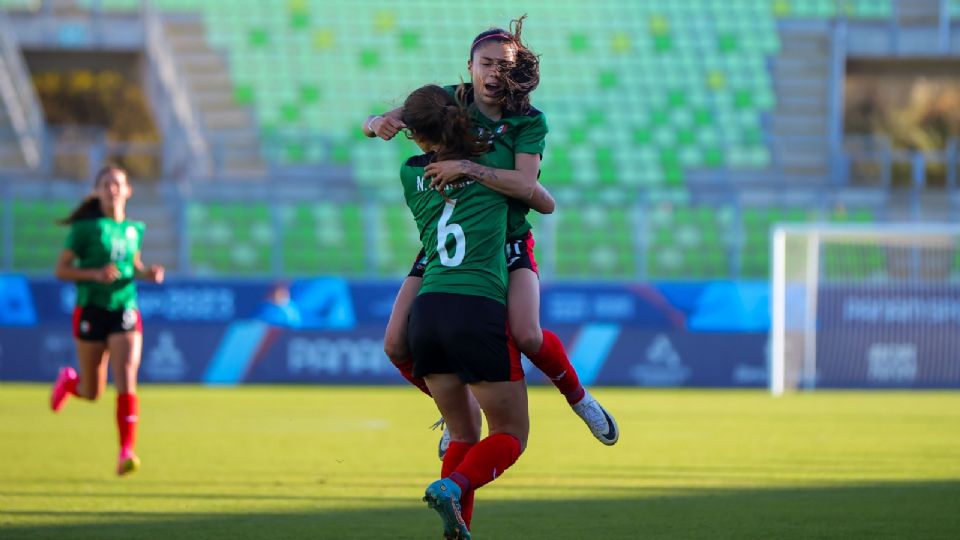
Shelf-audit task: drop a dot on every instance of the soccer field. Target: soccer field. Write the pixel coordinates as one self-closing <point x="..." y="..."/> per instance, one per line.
<point x="335" y="462"/>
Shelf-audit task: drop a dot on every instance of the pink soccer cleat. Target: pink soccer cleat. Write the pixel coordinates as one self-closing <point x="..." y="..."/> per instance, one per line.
<point x="127" y="463"/>
<point x="66" y="382"/>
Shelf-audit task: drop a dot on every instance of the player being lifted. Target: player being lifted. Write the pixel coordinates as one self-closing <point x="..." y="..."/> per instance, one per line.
<point x="102" y="255"/>
<point x="503" y="74"/>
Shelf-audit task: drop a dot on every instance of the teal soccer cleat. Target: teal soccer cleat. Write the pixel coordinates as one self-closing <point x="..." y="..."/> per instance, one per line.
<point x="444" y="497"/>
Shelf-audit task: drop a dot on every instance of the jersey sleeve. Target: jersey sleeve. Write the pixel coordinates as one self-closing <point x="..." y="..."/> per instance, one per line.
<point x="533" y="136"/>
<point x="77" y="238"/>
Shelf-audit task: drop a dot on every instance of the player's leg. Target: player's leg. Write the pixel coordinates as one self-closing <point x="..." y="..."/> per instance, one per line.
<point x="90" y="338"/>
<point x="490" y="362"/>
<point x="544" y="348"/>
<point x="125" y="352"/>
<point x="92" y="376"/>
<point x="428" y="330"/>
<point x="395" y="337"/>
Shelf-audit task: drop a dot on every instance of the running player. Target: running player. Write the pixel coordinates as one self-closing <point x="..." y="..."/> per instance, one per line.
<point x="504" y="72"/>
<point x="102" y="255"/>
<point x="458" y="322"/>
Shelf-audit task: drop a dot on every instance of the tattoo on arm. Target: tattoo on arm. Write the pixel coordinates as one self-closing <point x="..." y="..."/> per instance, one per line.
<point x="479" y="172"/>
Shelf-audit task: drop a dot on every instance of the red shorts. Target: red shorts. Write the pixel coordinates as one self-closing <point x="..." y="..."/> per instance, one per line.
<point x="92" y="323"/>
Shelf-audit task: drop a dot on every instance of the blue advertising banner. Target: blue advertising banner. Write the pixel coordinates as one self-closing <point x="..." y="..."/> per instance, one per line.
<point x="906" y="336"/>
<point x="255" y="352"/>
<point x="335" y="303"/>
<point x="329" y="330"/>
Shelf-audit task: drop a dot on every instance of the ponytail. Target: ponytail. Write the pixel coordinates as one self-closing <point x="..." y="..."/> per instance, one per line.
<point x="435" y="116"/>
<point x="459" y="137"/>
<point x="88" y="209"/>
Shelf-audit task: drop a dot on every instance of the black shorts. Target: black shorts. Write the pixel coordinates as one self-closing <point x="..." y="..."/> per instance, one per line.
<point x="92" y="323"/>
<point x="519" y="255"/>
<point x="462" y="334"/>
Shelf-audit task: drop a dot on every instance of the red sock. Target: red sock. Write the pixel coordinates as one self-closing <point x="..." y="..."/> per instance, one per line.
<point x="553" y="362"/>
<point x="127" y="409"/>
<point x="451" y="460"/>
<point x="406" y="369"/>
<point x="486" y="461"/>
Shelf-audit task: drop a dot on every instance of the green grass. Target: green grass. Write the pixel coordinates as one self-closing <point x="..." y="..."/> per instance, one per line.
<point x="336" y="463"/>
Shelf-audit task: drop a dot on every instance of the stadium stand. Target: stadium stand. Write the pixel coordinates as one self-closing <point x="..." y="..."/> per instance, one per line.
<point x="639" y="96"/>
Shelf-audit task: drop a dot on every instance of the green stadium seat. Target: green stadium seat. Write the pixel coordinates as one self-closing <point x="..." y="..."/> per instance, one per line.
<point x="685" y="243"/>
<point x="595" y="241"/>
<point x="231" y="238"/>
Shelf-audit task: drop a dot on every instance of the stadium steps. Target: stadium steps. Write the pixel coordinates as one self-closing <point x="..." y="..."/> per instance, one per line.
<point x="230" y="126"/>
<point x="800" y="122"/>
<point x="20" y="114"/>
<point x="917" y="12"/>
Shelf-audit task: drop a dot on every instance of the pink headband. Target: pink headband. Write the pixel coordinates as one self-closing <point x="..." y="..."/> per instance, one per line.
<point x="479" y="40"/>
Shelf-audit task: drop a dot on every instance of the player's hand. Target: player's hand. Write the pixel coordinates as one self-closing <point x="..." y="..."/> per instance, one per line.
<point x="155" y="274"/>
<point x="386" y="127"/>
<point x="107" y="274"/>
<point x="442" y="173"/>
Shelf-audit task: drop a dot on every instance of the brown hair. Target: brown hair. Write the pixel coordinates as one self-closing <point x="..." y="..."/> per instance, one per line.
<point x="434" y="116"/>
<point x="520" y="77"/>
<point x="90" y="207"/>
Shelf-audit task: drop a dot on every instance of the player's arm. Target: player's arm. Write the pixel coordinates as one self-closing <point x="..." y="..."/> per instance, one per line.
<point x="67" y="271"/>
<point x="153" y="273"/>
<point x="541" y="201"/>
<point x="385" y="125"/>
<point x="519" y="183"/>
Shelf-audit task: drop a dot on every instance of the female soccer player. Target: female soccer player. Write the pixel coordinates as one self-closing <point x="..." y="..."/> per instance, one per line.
<point x="458" y="322"/>
<point x="102" y="255"/>
<point x="504" y="72"/>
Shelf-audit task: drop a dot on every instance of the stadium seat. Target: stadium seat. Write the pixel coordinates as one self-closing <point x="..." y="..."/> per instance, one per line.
<point x="37" y="238"/>
<point x="702" y="66"/>
<point x="231" y="238"/>
<point x="686" y="242"/>
<point x="323" y="238"/>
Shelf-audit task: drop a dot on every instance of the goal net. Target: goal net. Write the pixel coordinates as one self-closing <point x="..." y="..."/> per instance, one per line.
<point x="865" y="306"/>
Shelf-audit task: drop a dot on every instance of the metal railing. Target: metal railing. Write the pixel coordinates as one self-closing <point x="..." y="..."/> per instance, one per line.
<point x="187" y="152"/>
<point x="20" y="97"/>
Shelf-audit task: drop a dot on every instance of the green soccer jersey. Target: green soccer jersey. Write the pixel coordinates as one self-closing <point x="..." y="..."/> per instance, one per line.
<point x="512" y="134"/>
<point x="463" y="238"/>
<point x="97" y="243"/>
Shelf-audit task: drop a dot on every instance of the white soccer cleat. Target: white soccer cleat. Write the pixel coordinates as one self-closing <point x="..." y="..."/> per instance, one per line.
<point x="601" y="424"/>
<point x="444" y="437"/>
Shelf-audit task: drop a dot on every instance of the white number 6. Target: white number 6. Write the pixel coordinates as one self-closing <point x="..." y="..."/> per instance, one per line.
<point x="444" y="230"/>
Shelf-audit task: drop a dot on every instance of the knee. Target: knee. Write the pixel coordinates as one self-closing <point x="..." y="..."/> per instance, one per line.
<point x="529" y="339"/>
<point x="396" y="351"/>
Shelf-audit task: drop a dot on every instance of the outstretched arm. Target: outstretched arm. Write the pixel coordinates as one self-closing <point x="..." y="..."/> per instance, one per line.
<point x="385" y="125"/>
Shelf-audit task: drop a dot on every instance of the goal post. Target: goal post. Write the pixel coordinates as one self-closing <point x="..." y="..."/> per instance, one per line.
<point x="865" y="306"/>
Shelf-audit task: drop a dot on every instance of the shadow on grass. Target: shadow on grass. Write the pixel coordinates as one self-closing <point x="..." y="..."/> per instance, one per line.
<point x="928" y="510"/>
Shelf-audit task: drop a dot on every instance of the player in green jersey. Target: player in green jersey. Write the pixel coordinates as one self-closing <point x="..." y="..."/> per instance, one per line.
<point x="458" y="322"/>
<point x="503" y="74"/>
<point x="102" y="255"/>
